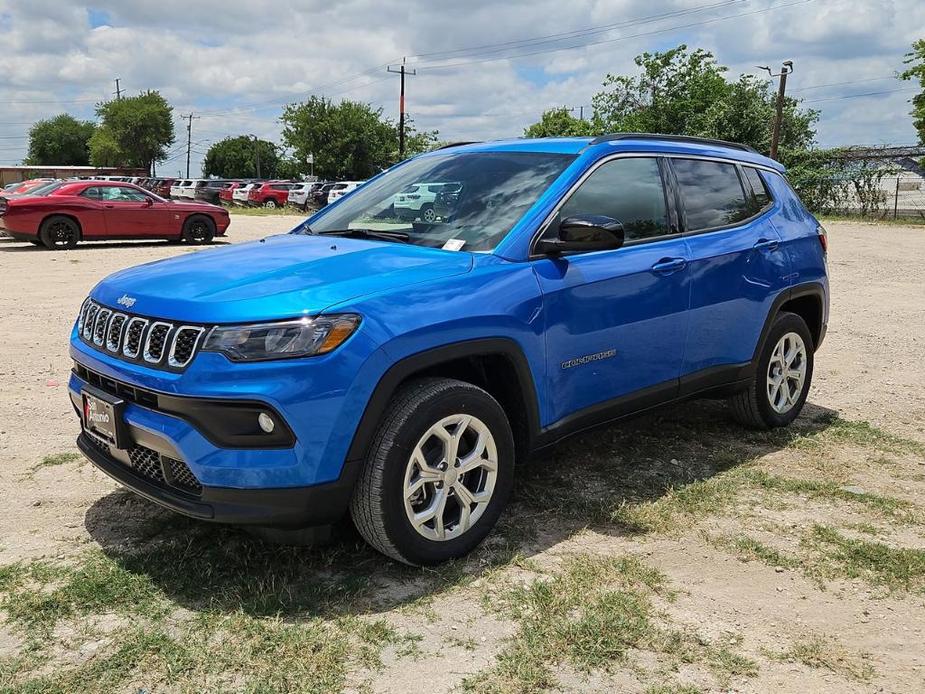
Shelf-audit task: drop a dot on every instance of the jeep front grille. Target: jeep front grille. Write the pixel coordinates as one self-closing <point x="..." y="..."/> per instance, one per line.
<point x="163" y="470"/>
<point x="134" y="338"/>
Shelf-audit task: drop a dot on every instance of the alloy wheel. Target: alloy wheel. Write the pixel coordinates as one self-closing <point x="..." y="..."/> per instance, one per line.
<point x="786" y="373"/>
<point x="450" y="477"/>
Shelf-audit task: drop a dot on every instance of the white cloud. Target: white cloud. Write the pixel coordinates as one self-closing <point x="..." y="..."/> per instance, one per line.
<point x="236" y="62"/>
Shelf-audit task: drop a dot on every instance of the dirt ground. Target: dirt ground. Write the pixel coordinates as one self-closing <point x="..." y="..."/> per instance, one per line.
<point x="789" y="562"/>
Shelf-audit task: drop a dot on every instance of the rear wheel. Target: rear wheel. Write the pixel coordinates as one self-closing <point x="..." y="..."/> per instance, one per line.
<point x="59" y="233"/>
<point x="784" y="373"/>
<point x="438" y="473"/>
<point x="198" y="230"/>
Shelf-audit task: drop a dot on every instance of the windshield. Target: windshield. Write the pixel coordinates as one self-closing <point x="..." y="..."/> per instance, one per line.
<point x="463" y="201"/>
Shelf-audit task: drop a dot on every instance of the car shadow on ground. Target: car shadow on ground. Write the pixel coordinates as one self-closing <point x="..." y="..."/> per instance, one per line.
<point x="13" y="246"/>
<point x="203" y="566"/>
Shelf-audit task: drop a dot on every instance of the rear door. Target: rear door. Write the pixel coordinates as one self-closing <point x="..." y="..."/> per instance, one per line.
<point x="737" y="266"/>
<point x="616" y="320"/>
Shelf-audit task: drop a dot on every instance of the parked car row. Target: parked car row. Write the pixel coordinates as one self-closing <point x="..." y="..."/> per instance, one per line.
<point x="58" y="214"/>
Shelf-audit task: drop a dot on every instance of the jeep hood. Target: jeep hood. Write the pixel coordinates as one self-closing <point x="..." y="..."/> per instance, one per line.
<point x="278" y="277"/>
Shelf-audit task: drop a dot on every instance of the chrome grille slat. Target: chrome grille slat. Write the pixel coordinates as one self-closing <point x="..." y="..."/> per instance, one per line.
<point x="183" y="346"/>
<point x="114" y="332"/>
<point x="90" y="321"/>
<point x="100" y="326"/>
<point x="131" y="345"/>
<point x="158" y="343"/>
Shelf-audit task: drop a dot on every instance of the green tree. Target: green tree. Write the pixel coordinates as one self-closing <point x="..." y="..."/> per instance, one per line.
<point x="236" y="157"/>
<point x="417" y="141"/>
<point x="134" y="131"/>
<point x="559" y="122"/>
<point x="349" y="140"/>
<point x="916" y="60"/>
<point x="60" y="140"/>
<point x="684" y="92"/>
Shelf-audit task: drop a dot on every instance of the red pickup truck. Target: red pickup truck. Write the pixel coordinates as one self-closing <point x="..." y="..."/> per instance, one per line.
<point x="270" y="194"/>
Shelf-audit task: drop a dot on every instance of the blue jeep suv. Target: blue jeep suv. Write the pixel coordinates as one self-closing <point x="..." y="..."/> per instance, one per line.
<point x="396" y="368"/>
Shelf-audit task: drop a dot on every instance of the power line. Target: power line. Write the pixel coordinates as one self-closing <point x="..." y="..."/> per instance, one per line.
<point x="841" y="84"/>
<point x="433" y="68"/>
<point x="857" y="96"/>
<point x="577" y="33"/>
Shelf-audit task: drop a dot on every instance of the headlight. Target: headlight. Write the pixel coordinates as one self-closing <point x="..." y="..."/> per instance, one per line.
<point x="302" y="337"/>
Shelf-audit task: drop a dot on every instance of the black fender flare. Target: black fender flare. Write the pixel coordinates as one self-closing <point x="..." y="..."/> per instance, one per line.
<point x="408" y="366"/>
<point x="795" y="292"/>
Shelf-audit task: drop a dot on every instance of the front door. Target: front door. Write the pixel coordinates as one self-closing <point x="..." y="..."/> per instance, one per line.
<point x="616" y="320"/>
<point x="134" y="214"/>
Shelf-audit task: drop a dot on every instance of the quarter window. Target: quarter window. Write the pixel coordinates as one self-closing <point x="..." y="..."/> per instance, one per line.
<point x="712" y="193"/>
<point x="628" y="190"/>
<point x="759" y="189"/>
<point x="92" y="193"/>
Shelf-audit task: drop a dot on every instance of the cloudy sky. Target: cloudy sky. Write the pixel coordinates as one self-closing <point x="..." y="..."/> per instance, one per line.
<point x="484" y="69"/>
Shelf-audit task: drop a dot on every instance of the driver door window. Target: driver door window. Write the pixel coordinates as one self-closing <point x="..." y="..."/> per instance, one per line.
<point x="628" y="190"/>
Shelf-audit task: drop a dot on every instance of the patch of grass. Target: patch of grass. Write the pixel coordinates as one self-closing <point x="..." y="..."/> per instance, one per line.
<point x="57" y="459"/>
<point x="862" y="434"/>
<point x="897" y="569"/>
<point x="45" y="593"/>
<point x="673" y="689"/>
<point x="266" y="212"/>
<point x="874" y="221"/>
<point x="590" y="615"/>
<point x="826" y="652"/>
<point x="750" y="549"/>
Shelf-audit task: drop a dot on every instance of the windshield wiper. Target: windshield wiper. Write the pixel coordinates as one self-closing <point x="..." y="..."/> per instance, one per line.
<point x="383" y="234"/>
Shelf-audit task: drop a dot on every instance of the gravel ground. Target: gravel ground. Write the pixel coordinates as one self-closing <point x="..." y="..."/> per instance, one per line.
<point x="872" y="367"/>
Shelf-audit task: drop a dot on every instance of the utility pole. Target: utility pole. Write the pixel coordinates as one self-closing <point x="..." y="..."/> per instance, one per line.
<point x="189" y="137"/>
<point x="256" y="154"/>
<point x="401" y="70"/>
<point x="785" y="70"/>
<point x="118" y="91"/>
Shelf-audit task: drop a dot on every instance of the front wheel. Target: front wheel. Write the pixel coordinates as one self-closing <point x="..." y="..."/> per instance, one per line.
<point x="783" y="375"/>
<point x="270" y="204"/>
<point x="438" y="473"/>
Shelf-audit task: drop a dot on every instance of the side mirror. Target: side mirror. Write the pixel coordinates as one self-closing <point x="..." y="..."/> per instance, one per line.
<point x="148" y="202"/>
<point x="584" y="232"/>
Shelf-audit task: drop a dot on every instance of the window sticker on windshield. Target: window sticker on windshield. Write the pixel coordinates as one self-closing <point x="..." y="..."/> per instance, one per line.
<point x="454" y="245"/>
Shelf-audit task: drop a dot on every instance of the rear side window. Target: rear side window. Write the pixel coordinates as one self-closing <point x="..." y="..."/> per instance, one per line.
<point x="712" y="193"/>
<point x="93" y="193"/>
<point x="628" y="190"/>
<point x="760" y="194"/>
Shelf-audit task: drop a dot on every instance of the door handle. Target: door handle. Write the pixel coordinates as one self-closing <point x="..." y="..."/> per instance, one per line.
<point x="109" y="207"/>
<point x="666" y="266"/>
<point x="766" y="245"/>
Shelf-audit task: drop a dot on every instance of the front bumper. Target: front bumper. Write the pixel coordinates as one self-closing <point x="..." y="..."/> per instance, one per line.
<point x="289" y="507"/>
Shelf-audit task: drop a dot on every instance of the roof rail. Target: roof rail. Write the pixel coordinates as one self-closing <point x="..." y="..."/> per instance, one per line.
<point x="456" y="144"/>
<point x="672" y="138"/>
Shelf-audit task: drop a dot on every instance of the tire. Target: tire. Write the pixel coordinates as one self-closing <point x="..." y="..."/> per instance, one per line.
<point x="763" y="405"/>
<point x="379" y="507"/>
<point x="428" y="214"/>
<point x="270" y="204"/>
<point x="198" y="230"/>
<point x="59" y="233"/>
<point x="36" y="242"/>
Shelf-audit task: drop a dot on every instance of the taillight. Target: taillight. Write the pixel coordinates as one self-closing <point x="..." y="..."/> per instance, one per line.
<point x="823" y="237"/>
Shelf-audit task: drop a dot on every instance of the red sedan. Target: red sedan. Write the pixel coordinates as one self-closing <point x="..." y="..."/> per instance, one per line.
<point x="101" y="210"/>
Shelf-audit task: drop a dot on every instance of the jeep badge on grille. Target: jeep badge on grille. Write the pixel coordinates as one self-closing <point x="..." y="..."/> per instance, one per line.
<point x="126" y="300"/>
